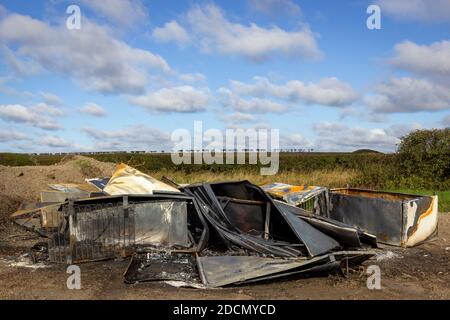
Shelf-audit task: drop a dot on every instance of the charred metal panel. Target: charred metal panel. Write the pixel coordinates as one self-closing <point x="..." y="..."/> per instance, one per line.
<point x="420" y="218"/>
<point x="316" y="242"/>
<point x="347" y="236"/>
<point x="395" y="219"/>
<point x="243" y="214"/>
<point x="161" y="223"/>
<point x="220" y="271"/>
<point x="162" y="265"/>
<point x="101" y="228"/>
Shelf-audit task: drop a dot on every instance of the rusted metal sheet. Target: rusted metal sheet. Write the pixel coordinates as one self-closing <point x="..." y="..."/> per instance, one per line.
<point x="395" y="218"/>
<point x="291" y="194"/>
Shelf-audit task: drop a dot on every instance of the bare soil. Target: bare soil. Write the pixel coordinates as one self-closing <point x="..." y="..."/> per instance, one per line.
<point x="422" y="272"/>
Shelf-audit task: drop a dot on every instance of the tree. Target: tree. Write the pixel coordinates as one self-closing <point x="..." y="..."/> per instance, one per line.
<point x="426" y="154"/>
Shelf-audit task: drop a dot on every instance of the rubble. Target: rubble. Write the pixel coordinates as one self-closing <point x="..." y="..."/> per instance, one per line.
<point x="211" y="235"/>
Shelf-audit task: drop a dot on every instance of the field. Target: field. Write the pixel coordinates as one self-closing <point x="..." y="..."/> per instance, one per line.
<point x="363" y="170"/>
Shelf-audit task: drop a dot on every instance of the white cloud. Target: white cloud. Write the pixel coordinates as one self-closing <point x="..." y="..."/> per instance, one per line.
<point x="327" y="91"/>
<point x="446" y="121"/>
<point x="182" y="99"/>
<point x="22" y="67"/>
<point x="39" y="116"/>
<point x="53" y="141"/>
<point x="251" y="105"/>
<point x="93" y="109"/>
<point x="192" y="77"/>
<point x="46" y="110"/>
<point x="295" y="140"/>
<point x="217" y="34"/>
<point x="402" y="95"/>
<point x="11" y="136"/>
<point x="401" y="130"/>
<point x="125" y="13"/>
<point x="340" y="137"/>
<point x="51" y="99"/>
<point x="139" y="137"/>
<point x="91" y="56"/>
<point x="417" y="10"/>
<point x="171" y="31"/>
<point x="433" y="59"/>
<point x="275" y="7"/>
<point x="239" y="117"/>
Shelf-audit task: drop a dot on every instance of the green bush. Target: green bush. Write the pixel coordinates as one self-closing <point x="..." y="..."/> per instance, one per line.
<point x="425" y="155"/>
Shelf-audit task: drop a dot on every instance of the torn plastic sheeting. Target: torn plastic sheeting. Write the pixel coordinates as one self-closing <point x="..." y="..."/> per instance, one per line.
<point x="347" y="236"/>
<point x="289" y="236"/>
<point x="128" y="180"/>
<point x="98" y="183"/>
<point x="292" y="194"/>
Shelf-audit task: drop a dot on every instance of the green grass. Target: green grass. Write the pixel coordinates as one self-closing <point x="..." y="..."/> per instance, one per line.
<point x="444" y="196"/>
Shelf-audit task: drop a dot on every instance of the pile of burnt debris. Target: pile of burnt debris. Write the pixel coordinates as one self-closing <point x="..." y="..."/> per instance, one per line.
<point x="217" y="234"/>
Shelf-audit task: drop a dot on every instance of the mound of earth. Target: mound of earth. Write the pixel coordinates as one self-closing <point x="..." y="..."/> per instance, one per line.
<point x="25" y="183"/>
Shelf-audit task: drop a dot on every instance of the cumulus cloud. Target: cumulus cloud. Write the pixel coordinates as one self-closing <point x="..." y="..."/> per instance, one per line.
<point x="93" y="57"/>
<point x="53" y="141"/>
<point x="340" y="137"/>
<point x="51" y="99"/>
<point x="417" y="10"/>
<point x="93" y="109"/>
<point x="249" y="105"/>
<point x="295" y="141"/>
<point x="239" y="117"/>
<point x="433" y="59"/>
<point x="192" y="77"/>
<point x="39" y="116"/>
<point x="171" y="32"/>
<point x="327" y="91"/>
<point x="275" y="7"/>
<point x="11" y="136"/>
<point x="139" y="137"/>
<point x="402" y="95"/>
<point x="125" y="13"/>
<point x="217" y="34"/>
<point x="182" y="99"/>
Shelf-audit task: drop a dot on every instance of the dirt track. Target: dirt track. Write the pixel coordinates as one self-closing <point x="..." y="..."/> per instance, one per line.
<point x="422" y="272"/>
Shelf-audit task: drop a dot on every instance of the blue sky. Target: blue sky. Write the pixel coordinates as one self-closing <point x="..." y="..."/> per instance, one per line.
<point x="138" y="70"/>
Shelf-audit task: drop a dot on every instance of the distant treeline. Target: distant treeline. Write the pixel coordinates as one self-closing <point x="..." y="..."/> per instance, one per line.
<point x="422" y="162"/>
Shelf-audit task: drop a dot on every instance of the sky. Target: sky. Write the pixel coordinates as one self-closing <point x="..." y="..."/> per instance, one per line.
<point x="135" y="71"/>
